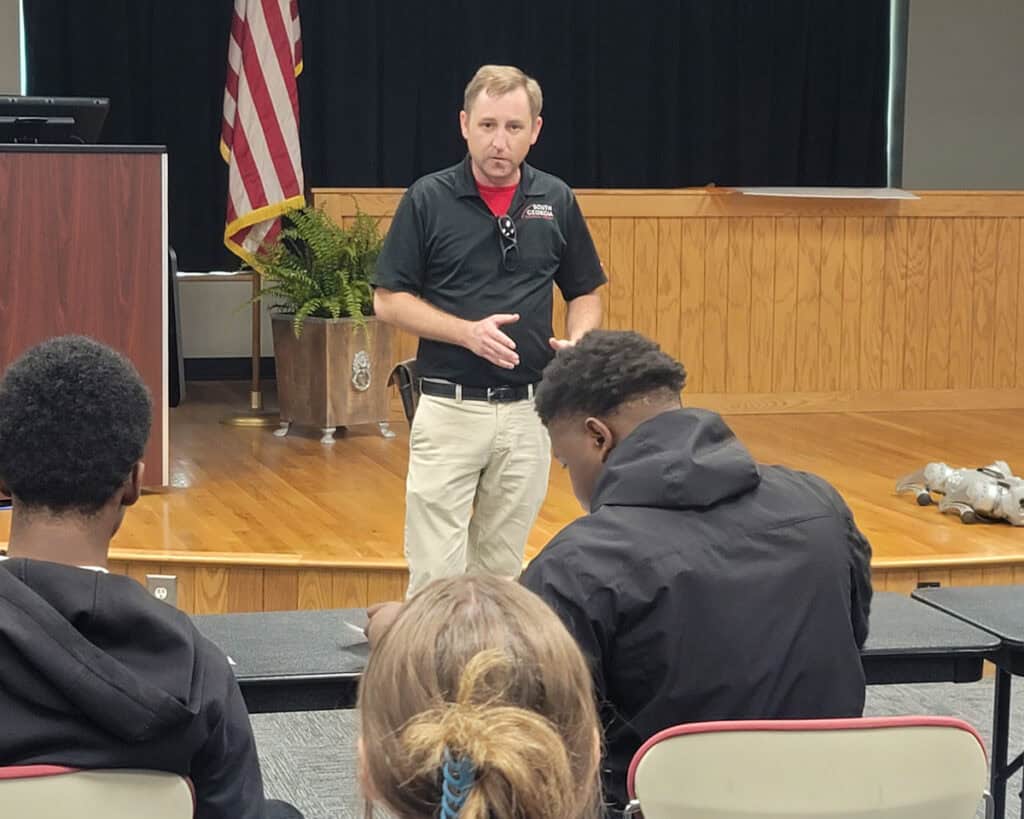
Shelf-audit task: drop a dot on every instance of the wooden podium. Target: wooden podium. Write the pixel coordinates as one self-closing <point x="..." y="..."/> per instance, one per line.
<point x="83" y="249"/>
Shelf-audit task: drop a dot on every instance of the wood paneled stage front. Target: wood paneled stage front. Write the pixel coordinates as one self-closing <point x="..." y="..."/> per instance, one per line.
<point x="252" y="522"/>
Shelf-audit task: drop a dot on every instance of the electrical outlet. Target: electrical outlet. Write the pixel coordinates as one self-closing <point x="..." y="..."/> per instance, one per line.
<point x="163" y="587"/>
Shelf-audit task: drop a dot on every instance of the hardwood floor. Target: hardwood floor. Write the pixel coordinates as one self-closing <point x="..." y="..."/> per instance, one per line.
<point x="863" y="454"/>
<point x="255" y="522"/>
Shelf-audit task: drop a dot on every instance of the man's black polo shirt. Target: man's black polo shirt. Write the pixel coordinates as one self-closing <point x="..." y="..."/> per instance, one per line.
<point x="444" y="246"/>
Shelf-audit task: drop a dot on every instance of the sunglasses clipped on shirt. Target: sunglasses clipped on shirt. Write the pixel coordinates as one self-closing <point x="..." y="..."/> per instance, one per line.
<point x="509" y="243"/>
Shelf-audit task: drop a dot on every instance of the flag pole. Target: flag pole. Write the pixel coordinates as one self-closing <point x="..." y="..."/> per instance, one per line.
<point x="256" y="417"/>
<point x="255" y="394"/>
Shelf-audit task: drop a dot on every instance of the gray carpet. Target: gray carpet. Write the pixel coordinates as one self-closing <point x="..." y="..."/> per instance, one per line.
<point x="309" y="759"/>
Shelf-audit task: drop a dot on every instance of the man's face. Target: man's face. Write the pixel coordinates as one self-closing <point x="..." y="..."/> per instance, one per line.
<point x="581" y="445"/>
<point x="499" y="132"/>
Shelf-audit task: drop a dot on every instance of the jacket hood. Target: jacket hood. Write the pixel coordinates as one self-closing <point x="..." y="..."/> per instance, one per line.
<point x="85" y="643"/>
<point x="680" y="459"/>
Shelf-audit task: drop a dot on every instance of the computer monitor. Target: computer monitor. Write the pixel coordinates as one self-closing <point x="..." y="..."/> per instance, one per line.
<point x="52" y="120"/>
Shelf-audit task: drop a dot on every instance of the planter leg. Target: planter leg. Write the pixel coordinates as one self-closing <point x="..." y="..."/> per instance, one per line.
<point x="328" y="435"/>
<point x="385" y="429"/>
<point x="282" y="430"/>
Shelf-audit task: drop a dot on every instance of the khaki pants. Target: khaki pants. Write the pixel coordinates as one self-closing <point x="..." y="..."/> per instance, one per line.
<point x="478" y="474"/>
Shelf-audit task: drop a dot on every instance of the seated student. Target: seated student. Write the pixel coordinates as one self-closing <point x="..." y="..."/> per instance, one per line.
<point x="94" y="672"/>
<point x="701" y="585"/>
<point x="478" y="685"/>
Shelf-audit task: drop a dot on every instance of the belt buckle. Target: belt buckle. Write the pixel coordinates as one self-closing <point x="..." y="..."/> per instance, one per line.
<point x="500" y="394"/>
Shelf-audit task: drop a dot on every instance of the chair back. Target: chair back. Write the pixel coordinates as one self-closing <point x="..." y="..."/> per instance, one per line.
<point x="884" y="768"/>
<point x="56" y="792"/>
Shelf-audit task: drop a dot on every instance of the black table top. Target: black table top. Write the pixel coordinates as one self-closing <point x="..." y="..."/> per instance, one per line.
<point x="996" y="609"/>
<point x="911" y="643"/>
<point x="899" y="625"/>
<point x="289" y="645"/>
<point x="302" y="660"/>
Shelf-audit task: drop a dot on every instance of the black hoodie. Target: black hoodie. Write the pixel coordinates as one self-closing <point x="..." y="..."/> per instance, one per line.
<point x="703" y="586"/>
<point x="95" y="673"/>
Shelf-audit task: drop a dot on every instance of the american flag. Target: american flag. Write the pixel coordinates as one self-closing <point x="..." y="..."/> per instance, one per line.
<point x="260" y="132"/>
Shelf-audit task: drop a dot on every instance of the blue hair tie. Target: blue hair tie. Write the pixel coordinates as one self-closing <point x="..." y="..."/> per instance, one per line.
<point x="459" y="776"/>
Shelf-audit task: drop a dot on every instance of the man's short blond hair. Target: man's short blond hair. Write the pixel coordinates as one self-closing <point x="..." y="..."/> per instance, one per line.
<point x="498" y="80"/>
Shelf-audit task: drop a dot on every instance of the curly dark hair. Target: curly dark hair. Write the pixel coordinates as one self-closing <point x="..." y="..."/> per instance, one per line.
<point x="74" y="420"/>
<point x="605" y="369"/>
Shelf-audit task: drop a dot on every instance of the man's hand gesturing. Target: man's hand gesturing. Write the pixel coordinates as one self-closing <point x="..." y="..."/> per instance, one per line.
<point x="486" y="339"/>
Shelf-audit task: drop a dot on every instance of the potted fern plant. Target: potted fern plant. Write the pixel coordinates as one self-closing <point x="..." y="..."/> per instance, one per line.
<point x="332" y="356"/>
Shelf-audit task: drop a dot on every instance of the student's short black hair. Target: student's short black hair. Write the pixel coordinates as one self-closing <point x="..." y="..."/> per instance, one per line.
<point x="74" y="420"/>
<point x="602" y="371"/>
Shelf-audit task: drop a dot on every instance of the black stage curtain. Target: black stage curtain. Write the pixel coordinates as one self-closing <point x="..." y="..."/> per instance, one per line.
<point x="657" y="93"/>
<point x="162" y="63"/>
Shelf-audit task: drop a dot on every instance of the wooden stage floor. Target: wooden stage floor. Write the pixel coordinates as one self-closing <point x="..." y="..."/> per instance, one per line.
<point x="254" y="522"/>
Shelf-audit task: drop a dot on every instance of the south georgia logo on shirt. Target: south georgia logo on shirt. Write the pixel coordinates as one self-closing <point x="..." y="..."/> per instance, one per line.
<point x="537" y="211"/>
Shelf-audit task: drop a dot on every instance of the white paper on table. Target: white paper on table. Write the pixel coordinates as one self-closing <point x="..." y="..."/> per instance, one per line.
<point x="360" y="631"/>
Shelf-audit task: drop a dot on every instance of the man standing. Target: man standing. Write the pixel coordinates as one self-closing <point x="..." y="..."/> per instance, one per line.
<point x="468" y="266"/>
<point x="701" y="585"/>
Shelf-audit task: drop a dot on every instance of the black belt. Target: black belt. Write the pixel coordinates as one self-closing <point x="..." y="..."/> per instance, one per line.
<point x="495" y="395"/>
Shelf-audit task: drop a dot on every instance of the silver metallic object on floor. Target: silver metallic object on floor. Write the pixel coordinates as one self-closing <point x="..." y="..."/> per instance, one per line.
<point x="989" y="493"/>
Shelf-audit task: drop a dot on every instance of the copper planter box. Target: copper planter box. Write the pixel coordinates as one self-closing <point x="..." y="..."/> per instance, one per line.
<point x="334" y="375"/>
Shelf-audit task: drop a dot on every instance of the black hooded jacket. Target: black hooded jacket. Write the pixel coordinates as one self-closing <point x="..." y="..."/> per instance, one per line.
<point x="703" y="586"/>
<point x="95" y="673"/>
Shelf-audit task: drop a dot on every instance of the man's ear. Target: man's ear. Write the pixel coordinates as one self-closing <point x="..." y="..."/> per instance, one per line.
<point x="133" y="485"/>
<point x="464" y="124"/>
<point x="601" y="436"/>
